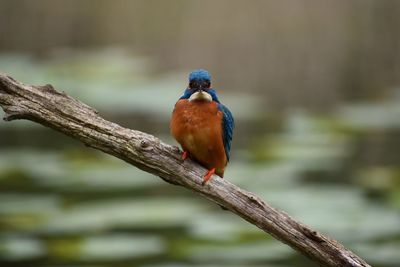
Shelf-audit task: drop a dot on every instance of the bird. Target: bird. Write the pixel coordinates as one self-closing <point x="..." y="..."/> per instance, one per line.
<point x="202" y="125"/>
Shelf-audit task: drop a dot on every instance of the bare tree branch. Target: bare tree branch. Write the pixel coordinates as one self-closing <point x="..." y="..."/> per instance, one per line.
<point x="45" y="105"/>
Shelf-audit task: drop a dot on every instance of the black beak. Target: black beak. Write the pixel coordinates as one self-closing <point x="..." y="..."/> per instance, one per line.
<point x="199" y="86"/>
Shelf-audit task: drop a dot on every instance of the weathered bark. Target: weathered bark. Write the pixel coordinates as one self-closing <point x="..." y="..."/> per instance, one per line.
<point x="45" y="105"/>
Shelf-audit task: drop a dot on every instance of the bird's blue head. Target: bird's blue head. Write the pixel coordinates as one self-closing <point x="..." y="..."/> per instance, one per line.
<point x="199" y="79"/>
<point x="199" y="87"/>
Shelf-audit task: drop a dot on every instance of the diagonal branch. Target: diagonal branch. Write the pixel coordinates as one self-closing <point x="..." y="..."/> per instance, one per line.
<point x="45" y="105"/>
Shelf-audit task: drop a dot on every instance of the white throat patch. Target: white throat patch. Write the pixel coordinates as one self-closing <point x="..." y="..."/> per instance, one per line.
<point x="200" y="96"/>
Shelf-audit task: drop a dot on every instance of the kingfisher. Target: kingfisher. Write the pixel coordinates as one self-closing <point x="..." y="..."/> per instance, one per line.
<point x="202" y="125"/>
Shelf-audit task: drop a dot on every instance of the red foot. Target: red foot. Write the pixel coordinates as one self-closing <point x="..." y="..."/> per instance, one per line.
<point x="185" y="155"/>
<point x="208" y="176"/>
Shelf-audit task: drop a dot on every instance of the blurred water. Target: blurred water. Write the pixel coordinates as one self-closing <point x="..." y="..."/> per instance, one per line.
<point x="63" y="204"/>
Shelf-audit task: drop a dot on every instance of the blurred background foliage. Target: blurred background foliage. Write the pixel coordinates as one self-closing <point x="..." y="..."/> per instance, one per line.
<point x="315" y="90"/>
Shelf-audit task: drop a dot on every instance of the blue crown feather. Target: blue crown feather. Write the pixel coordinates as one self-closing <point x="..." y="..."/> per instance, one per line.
<point x="199" y="74"/>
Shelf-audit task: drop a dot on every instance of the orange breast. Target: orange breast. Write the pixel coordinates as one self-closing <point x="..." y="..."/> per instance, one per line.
<point x="197" y="126"/>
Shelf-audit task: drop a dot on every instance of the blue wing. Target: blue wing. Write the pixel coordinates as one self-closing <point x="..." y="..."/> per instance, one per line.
<point x="227" y="128"/>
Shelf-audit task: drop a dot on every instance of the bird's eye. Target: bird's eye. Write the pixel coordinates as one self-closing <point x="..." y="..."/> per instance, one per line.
<point x="208" y="84"/>
<point x="191" y="84"/>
